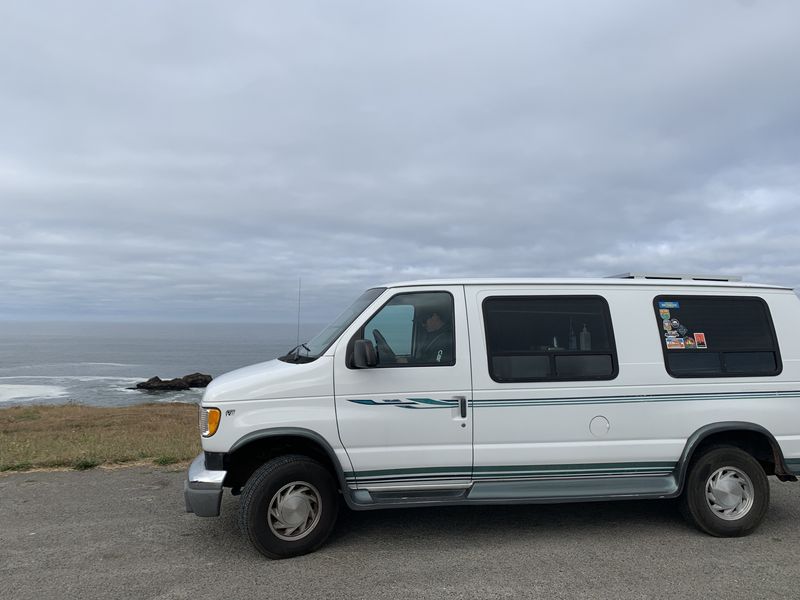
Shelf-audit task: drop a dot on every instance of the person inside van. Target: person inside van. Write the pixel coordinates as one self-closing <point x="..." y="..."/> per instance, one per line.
<point x="435" y="342"/>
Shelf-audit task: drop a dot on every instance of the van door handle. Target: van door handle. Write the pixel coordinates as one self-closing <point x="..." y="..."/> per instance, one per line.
<point x="462" y="405"/>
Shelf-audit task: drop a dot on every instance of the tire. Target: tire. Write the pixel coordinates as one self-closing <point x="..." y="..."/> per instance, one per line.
<point x="726" y="492"/>
<point x="288" y="506"/>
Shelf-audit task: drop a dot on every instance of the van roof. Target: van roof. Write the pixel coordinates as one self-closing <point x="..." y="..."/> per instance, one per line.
<point x="589" y="282"/>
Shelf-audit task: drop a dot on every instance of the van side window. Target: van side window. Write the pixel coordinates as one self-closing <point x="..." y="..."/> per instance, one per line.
<point x="717" y="336"/>
<point x="549" y="338"/>
<point x="414" y="329"/>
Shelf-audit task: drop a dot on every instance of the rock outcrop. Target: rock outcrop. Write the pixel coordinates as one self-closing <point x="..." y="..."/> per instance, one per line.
<point x="156" y="383"/>
<point x="195" y="380"/>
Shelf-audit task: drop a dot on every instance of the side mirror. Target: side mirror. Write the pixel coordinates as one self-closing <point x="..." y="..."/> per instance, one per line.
<point x="364" y="355"/>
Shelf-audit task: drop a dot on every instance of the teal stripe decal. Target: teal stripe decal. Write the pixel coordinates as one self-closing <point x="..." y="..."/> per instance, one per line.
<point x="430" y="403"/>
<point x="413" y="403"/>
<point x="632" y="399"/>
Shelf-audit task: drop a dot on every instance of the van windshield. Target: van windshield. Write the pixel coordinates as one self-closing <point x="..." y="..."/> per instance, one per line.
<point x="321" y="342"/>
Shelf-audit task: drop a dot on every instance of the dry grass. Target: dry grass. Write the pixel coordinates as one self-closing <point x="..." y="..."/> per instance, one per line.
<point x="83" y="437"/>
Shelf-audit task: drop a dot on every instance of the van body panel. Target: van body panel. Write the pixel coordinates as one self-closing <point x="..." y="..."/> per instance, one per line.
<point x="649" y="414"/>
<point x="404" y="423"/>
<point x="272" y="380"/>
<point x="274" y="394"/>
<point x="240" y="419"/>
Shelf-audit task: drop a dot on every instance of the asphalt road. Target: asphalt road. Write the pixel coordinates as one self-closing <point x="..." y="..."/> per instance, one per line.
<point x="123" y="534"/>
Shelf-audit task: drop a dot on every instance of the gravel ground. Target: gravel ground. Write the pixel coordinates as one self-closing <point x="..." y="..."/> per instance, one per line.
<point x="123" y="534"/>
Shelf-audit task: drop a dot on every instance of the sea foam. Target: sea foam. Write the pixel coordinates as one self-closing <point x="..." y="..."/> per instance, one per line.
<point x="30" y="392"/>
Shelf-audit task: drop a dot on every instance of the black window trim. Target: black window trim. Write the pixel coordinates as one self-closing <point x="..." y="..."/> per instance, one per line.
<point x="678" y="298"/>
<point x="359" y="335"/>
<point x="552" y="355"/>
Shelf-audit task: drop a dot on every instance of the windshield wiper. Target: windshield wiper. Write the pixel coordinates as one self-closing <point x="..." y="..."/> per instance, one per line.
<point x="294" y="355"/>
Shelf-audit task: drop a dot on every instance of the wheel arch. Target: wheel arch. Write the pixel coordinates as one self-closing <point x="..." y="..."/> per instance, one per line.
<point x="253" y="449"/>
<point x="753" y="438"/>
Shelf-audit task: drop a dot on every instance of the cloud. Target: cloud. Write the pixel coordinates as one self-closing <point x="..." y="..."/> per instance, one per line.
<point x="188" y="161"/>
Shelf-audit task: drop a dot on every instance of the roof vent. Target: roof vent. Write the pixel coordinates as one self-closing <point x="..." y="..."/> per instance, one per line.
<point x="675" y="277"/>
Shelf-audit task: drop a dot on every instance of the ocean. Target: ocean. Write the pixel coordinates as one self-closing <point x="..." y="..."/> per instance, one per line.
<point x="95" y="364"/>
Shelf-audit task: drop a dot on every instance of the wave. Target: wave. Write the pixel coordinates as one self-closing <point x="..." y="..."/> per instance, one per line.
<point x="81" y="378"/>
<point x="91" y="391"/>
<point x="125" y="389"/>
<point x="103" y="364"/>
<point x="70" y="364"/>
<point x="30" y="392"/>
<point x="185" y="397"/>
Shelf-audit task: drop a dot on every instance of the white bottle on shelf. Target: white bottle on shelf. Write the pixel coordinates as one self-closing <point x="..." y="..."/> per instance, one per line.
<point x="586" y="339"/>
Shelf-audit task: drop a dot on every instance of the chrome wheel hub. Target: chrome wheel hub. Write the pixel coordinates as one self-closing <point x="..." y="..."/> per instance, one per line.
<point x="729" y="493"/>
<point x="294" y="511"/>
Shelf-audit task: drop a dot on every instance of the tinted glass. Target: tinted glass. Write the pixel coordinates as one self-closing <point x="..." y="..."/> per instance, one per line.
<point x="727" y="323"/>
<point x="750" y="362"/>
<point x="694" y="363"/>
<point x="535" y="338"/>
<point x="715" y="336"/>
<point x="516" y="368"/>
<point x="396" y="323"/>
<point x="599" y="365"/>
<point x="414" y="329"/>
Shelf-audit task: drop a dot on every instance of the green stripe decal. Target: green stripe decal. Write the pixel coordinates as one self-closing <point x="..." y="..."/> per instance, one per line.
<point x="579" y="467"/>
<point x="513" y="471"/>
<point x="413" y="471"/>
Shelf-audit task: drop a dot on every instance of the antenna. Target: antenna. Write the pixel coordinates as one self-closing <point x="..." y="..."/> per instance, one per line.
<point x="299" y="287"/>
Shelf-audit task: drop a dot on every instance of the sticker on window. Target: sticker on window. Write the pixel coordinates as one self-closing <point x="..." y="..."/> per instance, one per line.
<point x="679" y="329"/>
<point x="669" y="304"/>
<point x="700" y="340"/>
<point x="664" y="314"/>
<point x="675" y="343"/>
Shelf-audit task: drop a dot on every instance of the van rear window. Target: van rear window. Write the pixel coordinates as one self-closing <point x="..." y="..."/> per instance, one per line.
<point x="717" y="336"/>
<point x="549" y="338"/>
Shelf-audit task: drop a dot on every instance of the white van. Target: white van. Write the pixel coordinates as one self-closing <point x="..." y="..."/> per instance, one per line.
<point x="513" y="391"/>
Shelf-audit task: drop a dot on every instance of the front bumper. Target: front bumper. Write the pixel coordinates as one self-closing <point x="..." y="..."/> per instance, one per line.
<point x="202" y="489"/>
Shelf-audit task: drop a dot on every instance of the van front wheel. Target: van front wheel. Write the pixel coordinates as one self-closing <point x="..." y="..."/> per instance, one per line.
<point x="726" y="493"/>
<point x="288" y="506"/>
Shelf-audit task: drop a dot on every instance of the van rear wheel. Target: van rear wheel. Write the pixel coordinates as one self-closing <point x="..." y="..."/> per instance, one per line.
<point x="726" y="492"/>
<point x="288" y="506"/>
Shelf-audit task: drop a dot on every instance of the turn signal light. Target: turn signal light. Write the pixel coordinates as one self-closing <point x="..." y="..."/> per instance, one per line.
<point x="209" y="421"/>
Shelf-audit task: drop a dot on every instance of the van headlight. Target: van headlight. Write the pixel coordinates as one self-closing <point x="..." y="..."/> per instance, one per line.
<point x="209" y="421"/>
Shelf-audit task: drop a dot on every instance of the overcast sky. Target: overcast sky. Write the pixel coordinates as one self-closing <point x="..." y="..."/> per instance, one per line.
<point x="191" y="160"/>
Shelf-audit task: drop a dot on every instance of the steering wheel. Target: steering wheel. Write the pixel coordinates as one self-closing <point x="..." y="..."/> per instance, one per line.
<point x="385" y="352"/>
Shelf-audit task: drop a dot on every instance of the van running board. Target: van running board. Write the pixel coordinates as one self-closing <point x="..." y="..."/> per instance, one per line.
<point x="527" y="492"/>
<point x="553" y="490"/>
<point x="415" y="497"/>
